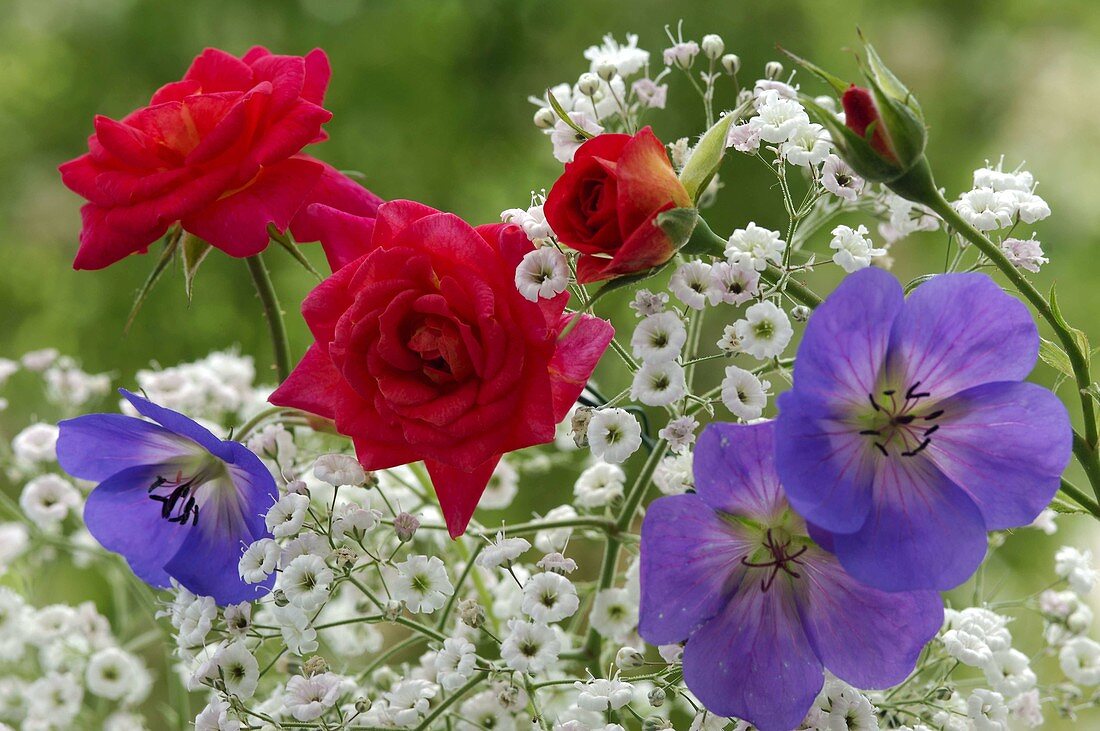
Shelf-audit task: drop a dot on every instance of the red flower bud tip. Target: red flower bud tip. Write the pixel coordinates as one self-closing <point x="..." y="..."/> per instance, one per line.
<point x="859" y="113"/>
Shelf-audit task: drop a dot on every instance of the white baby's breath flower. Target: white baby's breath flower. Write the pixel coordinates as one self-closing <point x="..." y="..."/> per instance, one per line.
<point x="755" y="245"/>
<point x="238" y="667"/>
<point x="777" y="116"/>
<point x="1080" y="661"/>
<point x="659" y="337"/>
<point x="601" y="694"/>
<point x="502" y="488"/>
<point x="422" y="583"/>
<point x="1010" y="673"/>
<point x="557" y="562"/>
<point x="986" y="209"/>
<point x="765" y="332"/>
<point x="658" y="384"/>
<point x="599" y="485"/>
<point x="39" y="360"/>
<point x="549" y="597"/>
<point x="215" y="717"/>
<point x="744" y="394"/>
<point x="627" y="58"/>
<point x="733" y="283"/>
<point x="299" y="637"/>
<point x="691" y="283"/>
<point x="613" y="614"/>
<point x="646" y="303"/>
<point x="554" y="540"/>
<point x="48" y="499"/>
<point x="238" y="618"/>
<point x="111" y="673"/>
<point x="35" y="444"/>
<point x="454" y="663"/>
<point x="1076" y="567"/>
<point x="808" y="145"/>
<point x="306" y="582"/>
<point x="673" y="475"/>
<point x="409" y="700"/>
<point x="529" y="647"/>
<point x="1045" y="521"/>
<point x="614" y="435"/>
<point x="308" y="697"/>
<point x="840" y="180"/>
<point x="532" y="220"/>
<point x="567" y="140"/>
<point x="650" y="94"/>
<point x="854" y="249"/>
<point x="744" y="137"/>
<point x="542" y="273"/>
<point x="339" y="469"/>
<point x="502" y="551"/>
<point x="679" y="433"/>
<point x="355" y="520"/>
<point x="681" y="54"/>
<point x="986" y="709"/>
<point x="1024" y="253"/>
<point x="285" y="517"/>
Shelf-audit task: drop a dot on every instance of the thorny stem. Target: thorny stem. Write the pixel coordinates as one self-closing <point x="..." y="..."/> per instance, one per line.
<point x="274" y="314"/>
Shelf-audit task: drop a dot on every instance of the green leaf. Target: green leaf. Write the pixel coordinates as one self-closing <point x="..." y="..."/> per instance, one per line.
<point x="1061" y="506"/>
<point x="194" y="252"/>
<point x="839" y="85"/>
<point x="172" y="241"/>
<point x="886" y="79"/>
<point x="917" y="281"/>
<point x="563" y="116"/>
<point x="1053" y="355"/>
<point x="294" y="250"/>
<point x="1079" y="337"/>
<point x="678" y="224"/>
<point x="852" y="148"/>
<point x="707" y="157"/>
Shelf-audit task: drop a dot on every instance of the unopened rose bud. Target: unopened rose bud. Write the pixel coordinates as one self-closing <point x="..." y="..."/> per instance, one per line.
<point x="315" y="665"/>
<point x="579" y="425"/>
<point x="731" y="62"/>
<point x="405" y="525"/>
<point x="362" y="705"/>
<point x="545" y="118"/>
<point x="607" y="70"/>
<point x="627" y="658"/>
<point x="588" y="84"/>
<point x="713" y="46"/>
<point x="393" y="610"/>
<point x="773" y="70"/>
<point x="800" y="313"/>
<point x="470" y="613"/>
<point x="657" y="697"/>
<point x="655" y="723"/>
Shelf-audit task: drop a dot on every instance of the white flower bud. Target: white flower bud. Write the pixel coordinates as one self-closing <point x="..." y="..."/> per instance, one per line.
<point x="657" y="697"/>
<point x="405" y="525"/>
<point x="800" y="313"/>
<point x="731" y="62"/>
<point x="588" y="84"/>
<point x="713" y="46"/>
<point x="607" y="70"/>
<point x="773" y="70"/>
<point x="627" y="658"/>
<point x="545" y="118"/>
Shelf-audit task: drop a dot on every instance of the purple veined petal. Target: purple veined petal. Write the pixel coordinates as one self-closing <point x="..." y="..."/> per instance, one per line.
<point x="826" y="468"/>
<point x="959" y="331"/>
<point x="734" y="468"/>
<point x="120" y="515"/>
<point x="754" y="661"/>
<point x="864" y="636"/>
<point x="96" y="446"/>
<point x="843" y="351"/>
<point x="923" y="531"/>
<point x="255" y="487"/>
<point x="1006" y="445"/>
<point x="690" y="558"/>
<point x="178" y="423"/>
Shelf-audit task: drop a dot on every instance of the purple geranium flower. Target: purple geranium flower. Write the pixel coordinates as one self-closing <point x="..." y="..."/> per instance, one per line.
<point x="909" y="432"/>
<point x="174" y="500"/>
<point x="763" y="608"/>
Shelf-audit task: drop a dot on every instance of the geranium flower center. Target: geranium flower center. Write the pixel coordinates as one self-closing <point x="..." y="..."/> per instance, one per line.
<point x="779" y="555"/>
<point x="178" y="494"/>
<point x="898" y="423"/>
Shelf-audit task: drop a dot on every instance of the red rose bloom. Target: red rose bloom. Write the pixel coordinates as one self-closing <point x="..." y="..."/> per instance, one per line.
<point x="605" y="205"/>
<point x="216" y="152"/>
<point x="860" y="113"/>
<point x="425" y="350"/>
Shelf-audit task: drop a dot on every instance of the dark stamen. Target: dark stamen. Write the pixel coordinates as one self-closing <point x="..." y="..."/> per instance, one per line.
<point x="934" y="415"/>
<point x="869" y="432"/>
<point x="882" y="448"/>
<point x="182" y="495"/>
<point x="873" y="402"/>
<point x="920" y="448"/>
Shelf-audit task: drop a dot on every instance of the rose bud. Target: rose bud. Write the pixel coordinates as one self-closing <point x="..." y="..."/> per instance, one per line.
<point x="883" y="134"/>
<point x="605" y="205"/>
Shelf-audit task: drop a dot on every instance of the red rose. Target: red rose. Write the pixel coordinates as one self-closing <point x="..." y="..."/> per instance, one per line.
<point x="216" y="152"/>
<point x="860" y="113"/>
<point x="606" y="203"/>
<point x="425" y="350"/>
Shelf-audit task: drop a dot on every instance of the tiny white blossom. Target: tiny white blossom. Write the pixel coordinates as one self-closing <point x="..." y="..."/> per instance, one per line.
<point x="1076" y="567"/>
<point x="111" y="673"/>
<point x="659" y="337"/>
<point x="502" y="551"/>
<point x="679" y="433"/>
<point x="308" y="697"/>
<point x="299" y="637"/>
<point x="555" y="540"/>
<point x="614" y="435"/>
<point x="39" y="360"/>
<point x="47" y="500"/>
<point x="238" y="667"/>
<point x="658" y="384"/>
<point x="777" y="116"/>
<point x="840" y="180"/>
<point x="215" y="717"/>
<point x="646" y="303"/>
<point x="502" y="488"/>
<point x="613" y="613"/>
<point x="854" y="249"/>
<point x="542" y="273"/>
<point x="599" y="485"/>
<point x="729" y="342"/>
<point x="7" y="368"/>
<point x="454" y="663"/>
<point x="422" y="583"/>
<point x="691" y="283"/>
<point x="1045" y="521"/>
<point x="1024" y="253"/>
<point x="651" y="95"/>
<point x="1010" y="673"/>
<point x="1027" y="708"/>
<point x="733" y="283"/>
<point x="986" y="209"/>
<point x="744" y="394"/>
<point x="529" y="647"/>
<point x="532" y="220"/>
<point x="567" y="140"/>
<point x="549" y="597"/>
<point x="756" y="245"/>
<point x="681" y="54"/>
<point x="557" y="562"/>
<point x="285" y="517"/>
<point x="808" y="145"/>
<point x="408" y="700"/>
<point x="1080" y="661"/>
<point x="986" y="709"/>
<point x="602" y="694"/>
<point x="744" y="137"/>
<point x="673" y="475"/>
<point x="627" y="58"/>
<point x="307" y="582"/>
<point x="355" y="519"/>
<point x="339" y="469"/>
<point x="238" y="618"/>
<point x="37" y="443"/>
<point x="765" y="331"/>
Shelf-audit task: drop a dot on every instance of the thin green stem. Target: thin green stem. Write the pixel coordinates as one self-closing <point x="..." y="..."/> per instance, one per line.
<point x="274" y="314"/>
<point x="451" y="700"/>
<point x="1080" y="497"/>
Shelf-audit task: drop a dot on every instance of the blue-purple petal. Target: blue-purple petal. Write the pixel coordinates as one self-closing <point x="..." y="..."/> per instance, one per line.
<point x="180" y="424"/>
<point x="734" y="468"/>
<point x="866" y="637"/>
<point x="826" y="468"/>
<point x="843" y="351"/>
<point x="690" y="558"/>
<point x="754" y="660"/>
<point x="1006" y="445"/>
<point x="120" y="515"/>
<point x="96" y="446"/>
<point x="958" y="331"/>
<point x="923" y="531"/>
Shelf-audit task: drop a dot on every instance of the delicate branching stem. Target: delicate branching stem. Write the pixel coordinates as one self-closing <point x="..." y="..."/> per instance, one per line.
<point x="451" y="700"/>
<point x="274" y="314"/>
<point x="1080" y="498"/>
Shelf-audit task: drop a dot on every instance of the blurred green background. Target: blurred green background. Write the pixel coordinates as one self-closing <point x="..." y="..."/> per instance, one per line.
<point x="429" y="98"/>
